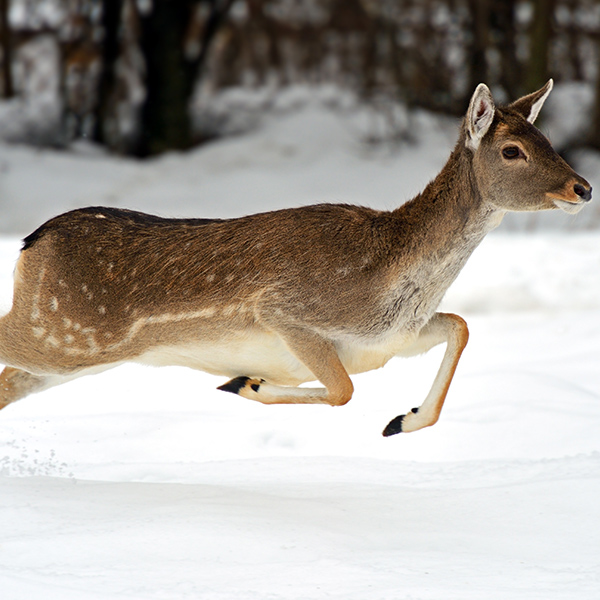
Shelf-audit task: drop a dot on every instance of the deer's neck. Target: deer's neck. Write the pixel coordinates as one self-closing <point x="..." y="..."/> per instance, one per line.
<point x="450" y="214"/>
<point x="437" y="231"/>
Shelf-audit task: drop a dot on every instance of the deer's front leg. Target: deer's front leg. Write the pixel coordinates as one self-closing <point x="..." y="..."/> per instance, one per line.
<point x="319" y="356"/>
<point x="442" y="327"/>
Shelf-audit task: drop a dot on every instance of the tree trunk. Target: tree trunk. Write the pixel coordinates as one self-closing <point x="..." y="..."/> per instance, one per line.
<point x="165" y="122"/>
<point x="112" y="11"/>
<point x="480" y="17"/>
<point x="594" y="136"/>
<point x="539" y="44"/>
<point x="171" y="76"/>
<point x="7" y="78"/>
<point x="504" y="26"/>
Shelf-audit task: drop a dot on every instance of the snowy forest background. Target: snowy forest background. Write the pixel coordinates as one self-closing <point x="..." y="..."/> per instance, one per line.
<point x="142" y="77"/>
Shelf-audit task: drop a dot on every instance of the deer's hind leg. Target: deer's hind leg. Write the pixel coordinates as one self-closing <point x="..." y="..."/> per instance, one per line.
<point x="16" y="384"/>
<point x="443" y="327"/>
<point x="319" y="356"/>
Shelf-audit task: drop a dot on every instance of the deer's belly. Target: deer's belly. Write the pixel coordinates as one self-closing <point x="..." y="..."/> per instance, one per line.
<point x="260" y="354"/>
<point x="265" y="355"/>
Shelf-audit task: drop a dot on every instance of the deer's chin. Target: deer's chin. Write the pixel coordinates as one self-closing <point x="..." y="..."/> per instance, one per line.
<point x="569" y="207"/>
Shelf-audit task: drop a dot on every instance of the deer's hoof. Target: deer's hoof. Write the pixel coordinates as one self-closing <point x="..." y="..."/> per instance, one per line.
<point x="234" y="386"/>
<point x="397" y="425"/>
<point x="241" y="386"/>
<point x="394" y="426"/>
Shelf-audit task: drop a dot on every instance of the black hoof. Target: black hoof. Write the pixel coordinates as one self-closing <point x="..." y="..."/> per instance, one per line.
<point x="235" y="385"/>
<point x="394" y="426"/>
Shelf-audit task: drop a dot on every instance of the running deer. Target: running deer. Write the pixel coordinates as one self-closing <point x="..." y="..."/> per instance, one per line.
<point x="277" y="299"/>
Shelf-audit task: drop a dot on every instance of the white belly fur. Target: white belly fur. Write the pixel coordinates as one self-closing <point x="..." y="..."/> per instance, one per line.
<point x="264" y="354"/>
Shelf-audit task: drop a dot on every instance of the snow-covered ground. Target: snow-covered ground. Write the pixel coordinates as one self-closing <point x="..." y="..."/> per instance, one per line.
<point x="146" y="483"/>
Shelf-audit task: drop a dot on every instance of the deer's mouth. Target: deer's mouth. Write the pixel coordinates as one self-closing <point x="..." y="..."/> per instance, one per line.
<point x="570" y="202"/>
<point x="569" y="206"/>
<point x="572" y="197"/>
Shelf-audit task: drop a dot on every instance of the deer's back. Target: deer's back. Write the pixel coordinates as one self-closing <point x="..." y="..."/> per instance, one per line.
<point x="159" y="261"/>
<point x="117" y="261"/>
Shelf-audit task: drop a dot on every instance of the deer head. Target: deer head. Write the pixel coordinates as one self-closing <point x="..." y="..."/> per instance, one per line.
<point x="514" y="165"/>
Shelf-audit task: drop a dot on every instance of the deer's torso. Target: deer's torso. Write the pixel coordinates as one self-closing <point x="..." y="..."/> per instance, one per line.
<point x="204" y="293"/>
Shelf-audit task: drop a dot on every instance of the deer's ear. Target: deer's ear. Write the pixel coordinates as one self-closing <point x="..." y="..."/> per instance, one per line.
<point x="479" y="116"/>
<point x="529" y="106"/>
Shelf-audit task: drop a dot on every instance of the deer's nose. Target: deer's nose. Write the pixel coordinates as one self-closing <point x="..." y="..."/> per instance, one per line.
<point x="583" y="192"/>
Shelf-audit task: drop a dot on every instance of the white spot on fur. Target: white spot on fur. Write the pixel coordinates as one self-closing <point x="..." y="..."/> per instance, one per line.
<point x="38" y="332"/>
<point x="54" y="304"/>
<point x="102" y="310"/>
<point x="170" y="317"/>
<point x="210" y="278"/>
<point x="366" y="261"/>
<point x="52" y="341"/>
<point x="99" y="216"/>
<point x="67" y="322"/>
<point x="69" y="339"/>
<point x="35" y="304"/>
<point x="204" y="313"/>
<point x="88" y="332"/>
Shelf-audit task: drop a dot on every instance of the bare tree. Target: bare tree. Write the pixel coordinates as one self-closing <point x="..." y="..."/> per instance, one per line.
<point x="480" y="15"/>
<point x="112" y="12"/>
<point x="5" y="42"/>
<point x="594" y="137"/>
<point x="539" y="43"/>
<point x="172" y="71"/>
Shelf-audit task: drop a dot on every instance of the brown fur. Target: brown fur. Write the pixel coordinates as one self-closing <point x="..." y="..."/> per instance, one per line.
<point x="282" y="297"/>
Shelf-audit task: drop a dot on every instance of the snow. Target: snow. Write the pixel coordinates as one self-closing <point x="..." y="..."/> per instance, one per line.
<point x="144" y="483"/>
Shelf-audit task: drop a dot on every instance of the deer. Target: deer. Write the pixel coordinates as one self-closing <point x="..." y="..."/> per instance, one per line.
<point x="278" y="299"/>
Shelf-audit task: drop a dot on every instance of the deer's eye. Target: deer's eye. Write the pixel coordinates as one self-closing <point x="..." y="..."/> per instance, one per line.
<point x="512" y="152"/>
